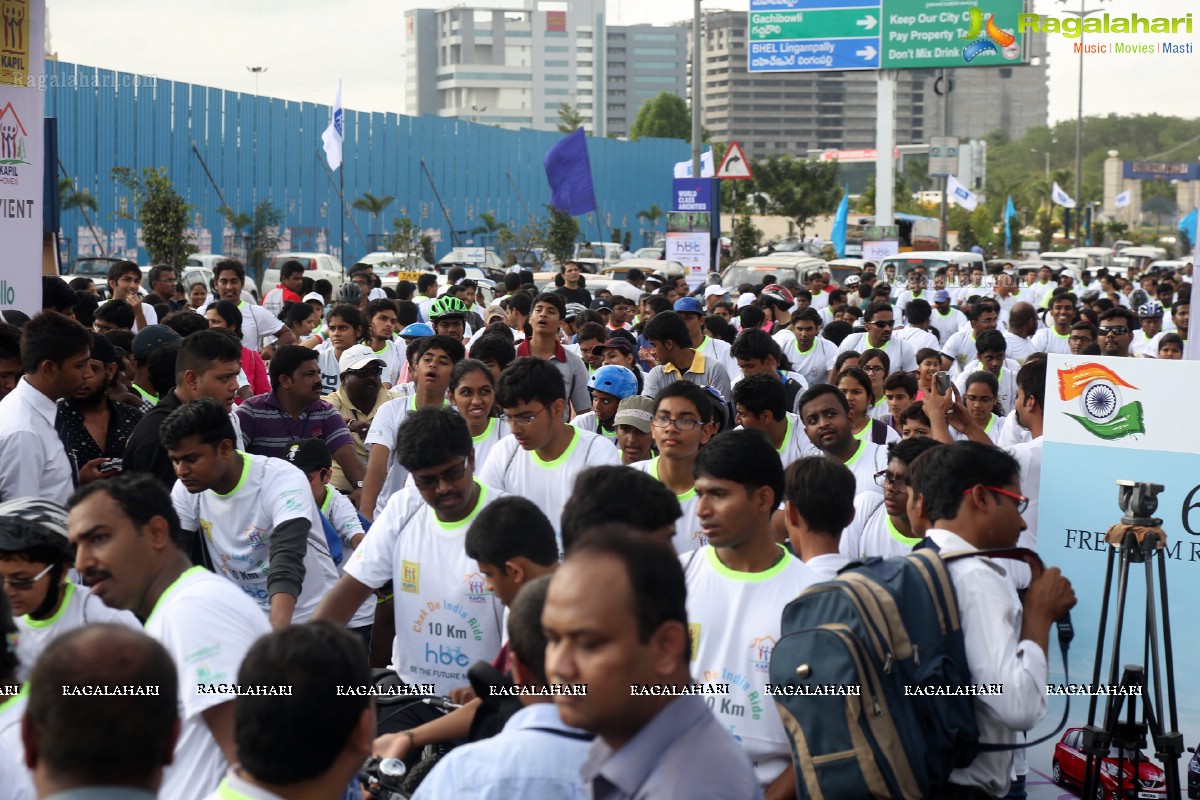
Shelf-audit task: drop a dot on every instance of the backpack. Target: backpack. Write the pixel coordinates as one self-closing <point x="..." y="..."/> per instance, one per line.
<point x="880" y="625"/>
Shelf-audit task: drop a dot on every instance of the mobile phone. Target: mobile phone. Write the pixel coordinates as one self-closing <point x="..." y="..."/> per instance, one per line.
<point x="943" y="382"/>
<point x="112" y="465"/>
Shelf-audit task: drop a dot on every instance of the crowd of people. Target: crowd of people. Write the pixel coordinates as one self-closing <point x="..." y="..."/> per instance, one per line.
<point x="599" y="502"/>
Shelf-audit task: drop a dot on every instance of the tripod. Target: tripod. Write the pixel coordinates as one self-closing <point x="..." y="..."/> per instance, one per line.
<point x="1137" y="539"/>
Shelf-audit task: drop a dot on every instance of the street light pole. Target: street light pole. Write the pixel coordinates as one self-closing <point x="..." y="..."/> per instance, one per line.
<point x="1082" y="13"/>
<point x="696" y="67"/>
<point x="257" y="71"/>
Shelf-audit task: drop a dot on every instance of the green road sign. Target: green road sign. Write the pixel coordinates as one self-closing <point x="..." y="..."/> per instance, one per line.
<point x="954" y="33"/>
<point x="837" y="23"/>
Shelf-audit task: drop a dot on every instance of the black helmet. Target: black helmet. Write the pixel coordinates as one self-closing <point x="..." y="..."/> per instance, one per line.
<point x="30" y="522"/>
<point x="350" y="293"/>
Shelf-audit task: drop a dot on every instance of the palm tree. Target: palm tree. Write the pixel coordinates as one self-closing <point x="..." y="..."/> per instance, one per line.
<point x="373" y="205"/>
<point x="490" y="227"/>
<point x="69" y="197"/>
<point x="652" y="215"/>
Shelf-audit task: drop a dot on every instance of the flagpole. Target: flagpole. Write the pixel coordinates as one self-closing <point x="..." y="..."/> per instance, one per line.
<point x="342" y="215"/>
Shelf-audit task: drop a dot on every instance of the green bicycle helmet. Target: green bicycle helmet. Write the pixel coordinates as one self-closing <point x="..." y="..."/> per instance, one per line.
<point x="447" y="307"/>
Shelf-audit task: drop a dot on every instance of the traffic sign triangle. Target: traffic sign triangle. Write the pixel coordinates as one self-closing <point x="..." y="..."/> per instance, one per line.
<point x="734" y="166"/>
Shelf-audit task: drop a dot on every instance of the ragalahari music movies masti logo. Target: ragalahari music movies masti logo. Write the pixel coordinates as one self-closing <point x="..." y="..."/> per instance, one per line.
<point x="12" y="140"/>
<point x="1105" y="414"/>
<point x="988" y="38"/>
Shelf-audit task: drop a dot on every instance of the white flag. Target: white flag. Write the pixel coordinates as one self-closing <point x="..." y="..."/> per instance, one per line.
<point x="1123" y="199"/>
<point x="1060" y="197"/>
<point x="332" y="137"/>
<point x="960" y="195"/>
<point x="684" y="168"/>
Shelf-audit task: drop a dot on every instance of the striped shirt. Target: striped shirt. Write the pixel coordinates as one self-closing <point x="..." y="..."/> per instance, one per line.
<point x="267" y="428"/>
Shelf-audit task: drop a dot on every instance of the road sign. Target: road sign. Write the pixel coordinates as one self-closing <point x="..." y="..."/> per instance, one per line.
<point x="823" y="35"/>
<point x="734" y="166"/>
<point x="874" y="251"/>
<point x="943" y="156"/>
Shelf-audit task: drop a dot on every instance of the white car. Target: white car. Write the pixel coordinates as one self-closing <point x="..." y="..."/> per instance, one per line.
<point x="193" y="273"/>
<point x="482" y="257"/>
<point x="316" y="266"/>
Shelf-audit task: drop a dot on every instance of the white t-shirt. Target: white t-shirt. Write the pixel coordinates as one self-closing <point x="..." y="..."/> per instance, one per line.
<point x="327" y="362"/>
<point x="960" y="348"/>
<point x="735" y="619"/>
<point x="719" y="349"/>
<point x="814" y="364"/>
<point x="1018" y="348"/>
<point x="257" y="324"/>
<point x="207" y="626"/>
<point x="79" y="608"/>
<point x="688" y="535"/>
<point x="1007" y="395"/>
<point x="342" y="515"/>
<point x="484" y="442"/>
<point x="16" y="782"/>
<point x="868" y="459"/>
<point x="907" y="296"/>
<point x="947" y="324"/>
<point x="548" y="484"/>
<point x="796" y="443"/>
<point x="1033" y="294"/>
<point x="890" y="434"/>
<point x="826" y="566"/>
<point x="446" y="619"/>
<point x="238" y="526"/>
<point x="383" y="431"/>
<point x="1047" y="340"/>
<point x="994" y="429"/>
<point x="1012" y="432"/>
<point x="1029" y="458"/>
<point x="393" y="355"/>
<point x="872" y="533"/>
<point x="590" y="422"/>
<point x="901" y="354"/>
<point x="918" y="338"/>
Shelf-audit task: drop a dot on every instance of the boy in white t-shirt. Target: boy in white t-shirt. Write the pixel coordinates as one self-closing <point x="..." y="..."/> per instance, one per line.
<point x="544" y="454"/>
<point x="761" y="404"/>
<point x="881" y="526"/>
<point x="381" y="323"/>
<point x="811" y="356"/>
<point x="820" y="504"/>
<point x="446" y="618"/>
<point x="737" y="587"/>
<point x="261" y="528"/>
<point x="131" y="551"/>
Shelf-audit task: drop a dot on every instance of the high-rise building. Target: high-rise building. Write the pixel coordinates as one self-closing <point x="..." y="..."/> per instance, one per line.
<point x="643" y="61"/>
<point x="509" y="67"/>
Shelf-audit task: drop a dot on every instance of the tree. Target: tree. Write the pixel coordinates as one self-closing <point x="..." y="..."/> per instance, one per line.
<point x="427" y="248"/>
<point x="69" y="198"/>
<point x="405" y="237"/>
<point x="260" y="231"/>
<point x="562" y="231"/>
<point x="569" y="118"/>
<point x="374" y="206"/>
<point x="490" y="226"/>
<point x="746" y="238"/>
<point x="161" y="212"/>
<point x="798" y="188"/>
<point x="1047" y="225"/>
<point x="652" y="215"/>
<point x="665" y="117"/>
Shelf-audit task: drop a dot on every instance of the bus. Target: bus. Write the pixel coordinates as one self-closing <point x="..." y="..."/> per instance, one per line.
<point x="916" y="233"/>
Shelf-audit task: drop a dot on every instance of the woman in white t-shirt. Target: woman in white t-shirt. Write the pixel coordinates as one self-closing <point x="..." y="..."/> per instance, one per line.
<point x="473" y="392"/>
<point x="979" y="397"/>
<point x="860" y="394"/>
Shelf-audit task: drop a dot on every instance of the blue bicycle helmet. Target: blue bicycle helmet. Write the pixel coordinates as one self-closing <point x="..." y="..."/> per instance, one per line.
<point x="615" y="380"/>
<point x="416" y="331"/>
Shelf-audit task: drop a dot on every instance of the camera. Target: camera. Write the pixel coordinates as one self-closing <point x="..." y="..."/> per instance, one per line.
<point x="383" y="778"/>
<point x="1138" y="501"/>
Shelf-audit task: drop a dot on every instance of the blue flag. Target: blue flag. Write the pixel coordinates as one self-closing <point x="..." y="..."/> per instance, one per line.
<point x="1009" y="213"/>
<point x="839" y="224"/>
<point x="1188" y="226"/>
<point x="570" y="175"/>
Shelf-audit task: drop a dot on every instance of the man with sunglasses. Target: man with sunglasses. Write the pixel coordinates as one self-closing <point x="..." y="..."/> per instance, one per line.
<point x="880" y="320"/>
<point x="446" y="619"/>
<point x="881" y="526"/>
<point x="1116" y="332"/>
<point x="971" y="495"/>
<point x="544" y="454"/>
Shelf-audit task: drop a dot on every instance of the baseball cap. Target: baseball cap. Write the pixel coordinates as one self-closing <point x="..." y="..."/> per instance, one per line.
<point x="309" y="455"/>
<point x="357" y="357"/>
<point x="715" y="291"/>
<point x="313" y="296"/>
<point x="636" y="412"/>
<point x="688" y="305"/>
<point x="600" y="304"/>
<point x="746" y="299"/>
<point x="150" y="338"/>
<point x="941" y="296"/>
<point x="494" y="312"/>
<point x="616" y="343"/>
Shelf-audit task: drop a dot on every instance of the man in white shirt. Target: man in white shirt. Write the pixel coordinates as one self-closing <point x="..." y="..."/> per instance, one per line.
<point x="128" y="741"/>
<point x="812" y="356"/>
<point x="991" y="347"/>
<point x="739" y="484"/>
<point x="257" y="322"/>
<point x="881" y="526"/>
<point x="1004" y="296"/>
<point x="1022" y="324"/>
<point x="946" y="319"/>
<point x="130" y="549"/>
<point x="959" y="349"/>
<point x="261" y="528"/>
<point x="881" y="321"/>
<point x="1056" y="337"/>
<point x="1034" y="293"/>
<point x="826" y="417"/>
<point x="536" y="754"/>
<point x="35" y="460"/>
<point x="820" y="504"/>
<point x="972" y="497"/>
<point x="320" y="661"/>
<point x="124" y="281"/>
<point x="916" y="289"/>
<point x="760" y="403"/>
<point x="918" y="331"/>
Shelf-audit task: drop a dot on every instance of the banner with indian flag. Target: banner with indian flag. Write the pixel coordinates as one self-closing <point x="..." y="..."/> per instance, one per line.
<point x="1109" y="420"/>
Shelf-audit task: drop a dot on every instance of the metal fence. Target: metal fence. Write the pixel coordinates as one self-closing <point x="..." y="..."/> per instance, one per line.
<point x="260" y="148"/>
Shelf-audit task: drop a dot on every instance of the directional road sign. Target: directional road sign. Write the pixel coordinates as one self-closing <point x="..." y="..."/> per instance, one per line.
<point x="824" y="35"/>
<point x="735" y="166"/>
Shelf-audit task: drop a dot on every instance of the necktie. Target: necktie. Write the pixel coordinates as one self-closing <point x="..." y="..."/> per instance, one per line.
<point x="60" y="425"/>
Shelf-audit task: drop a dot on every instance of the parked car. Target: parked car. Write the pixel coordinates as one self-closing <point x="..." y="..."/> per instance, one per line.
<point x="650" y="252"/>
<point x="784" y="266"/>
<point x="316" y="266"/>
<point x="482" y="257"/>
<point x="931" y="260"/>
<point x="1118" y="778"/>
<point x="595" y="256"/>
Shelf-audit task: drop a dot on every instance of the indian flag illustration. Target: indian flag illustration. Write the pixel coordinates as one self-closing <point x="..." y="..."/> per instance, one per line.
<point x="1099" y="391"/>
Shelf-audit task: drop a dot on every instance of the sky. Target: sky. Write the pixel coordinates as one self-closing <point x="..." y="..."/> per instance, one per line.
<point x="307" y="45"/>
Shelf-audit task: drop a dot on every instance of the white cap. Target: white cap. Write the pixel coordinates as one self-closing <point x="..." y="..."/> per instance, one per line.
<point x="715" y="291"/>
<point x="745" y="300"/>
<point x="314" y="296"/>
<point x="357" y="357"/>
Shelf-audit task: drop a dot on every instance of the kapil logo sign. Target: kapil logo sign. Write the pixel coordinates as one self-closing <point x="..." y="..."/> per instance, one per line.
<point x="1104" y="412"/>
<point x="14" y="42"/>
<point x="12" y="141"/>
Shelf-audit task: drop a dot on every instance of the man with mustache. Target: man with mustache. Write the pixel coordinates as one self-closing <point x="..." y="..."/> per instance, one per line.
<point x="358" y="399"/>
<point x="826" y="417"/>
<point x="96" y="426"/>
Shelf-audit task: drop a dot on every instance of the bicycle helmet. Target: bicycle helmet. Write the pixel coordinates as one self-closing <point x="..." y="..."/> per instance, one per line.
<point x="1150" y="310"/>
<point x="778" y="295"/>
<point x="615" y="380"/>
<point x="416" y="331"/>
<point x="447" y="307"/>
<point x="350" y="293"/>
<point x="28" y="522"/>
<point x="574" y="310"/>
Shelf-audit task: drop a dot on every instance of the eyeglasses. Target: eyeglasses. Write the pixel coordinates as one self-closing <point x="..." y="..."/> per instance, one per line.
<point x="26" y="585"/>
<point x="450" y="475"/>
<point x="876" y="368"/>
<point x="522" y="421"/>
<point x="682" y="424"/>
<point x="883" y="478"/>
<point x="1115" y="330"/>
<point x="1021" y="501"/>
<point x="883" y="323"/>
<point x="365" y="372"/>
